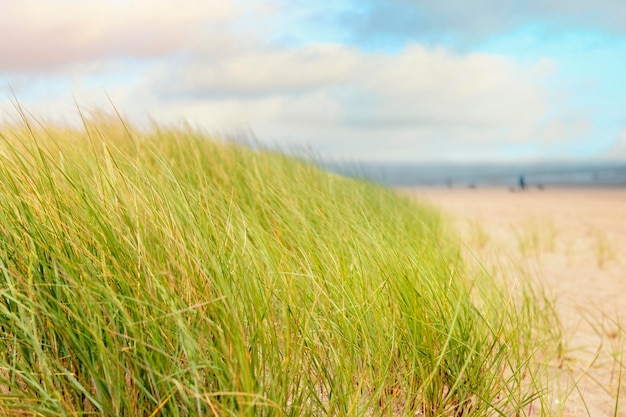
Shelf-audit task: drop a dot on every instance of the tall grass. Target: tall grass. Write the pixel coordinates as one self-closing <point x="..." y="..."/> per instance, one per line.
<point x="169" y="273"/>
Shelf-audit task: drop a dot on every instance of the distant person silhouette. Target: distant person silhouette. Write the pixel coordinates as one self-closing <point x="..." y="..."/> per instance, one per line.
<point x="522" y="183"/>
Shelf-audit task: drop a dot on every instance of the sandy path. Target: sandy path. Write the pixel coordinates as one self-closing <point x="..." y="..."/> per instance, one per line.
<point x="574" y="241"/>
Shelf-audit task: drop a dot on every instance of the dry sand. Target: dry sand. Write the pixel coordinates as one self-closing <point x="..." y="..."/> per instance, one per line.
<point x="573" y="241"/>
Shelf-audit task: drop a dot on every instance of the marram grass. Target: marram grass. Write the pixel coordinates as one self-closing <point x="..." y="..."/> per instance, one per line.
<point x="168" y="273"/>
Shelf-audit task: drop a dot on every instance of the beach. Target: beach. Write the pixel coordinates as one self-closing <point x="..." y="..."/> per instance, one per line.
<point x="571" y="241"/>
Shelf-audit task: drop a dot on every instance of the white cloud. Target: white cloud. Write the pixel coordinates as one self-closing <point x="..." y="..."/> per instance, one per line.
<point x="37" y="35"/>
<point x="419" y="103"/>
<point x="268" y="71"/>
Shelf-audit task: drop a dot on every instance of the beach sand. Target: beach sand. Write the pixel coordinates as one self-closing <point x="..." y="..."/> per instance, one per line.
<point x="572" y="241"/>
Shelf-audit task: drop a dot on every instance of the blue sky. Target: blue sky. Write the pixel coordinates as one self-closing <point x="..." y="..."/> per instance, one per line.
<point x="395" y="80"/>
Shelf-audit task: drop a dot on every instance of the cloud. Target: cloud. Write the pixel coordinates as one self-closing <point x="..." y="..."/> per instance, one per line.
<point x="418" y="103"/>
<point x="267" y="71"/>
<point x="193" y="60"/>
<point x="460" y="22"/>
<point x="39" y="35"/>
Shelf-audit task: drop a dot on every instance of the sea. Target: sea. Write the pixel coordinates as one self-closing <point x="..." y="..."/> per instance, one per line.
<point x="473" y="175"/>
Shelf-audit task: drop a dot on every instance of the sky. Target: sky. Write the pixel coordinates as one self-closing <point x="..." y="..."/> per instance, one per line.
<point x="364" y="80"/>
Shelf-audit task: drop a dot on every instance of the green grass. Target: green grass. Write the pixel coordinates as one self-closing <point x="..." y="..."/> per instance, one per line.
<point x="169" y="273"/>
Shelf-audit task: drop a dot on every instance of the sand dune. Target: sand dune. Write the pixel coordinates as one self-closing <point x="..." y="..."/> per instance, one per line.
<point x="573" y="241"/>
